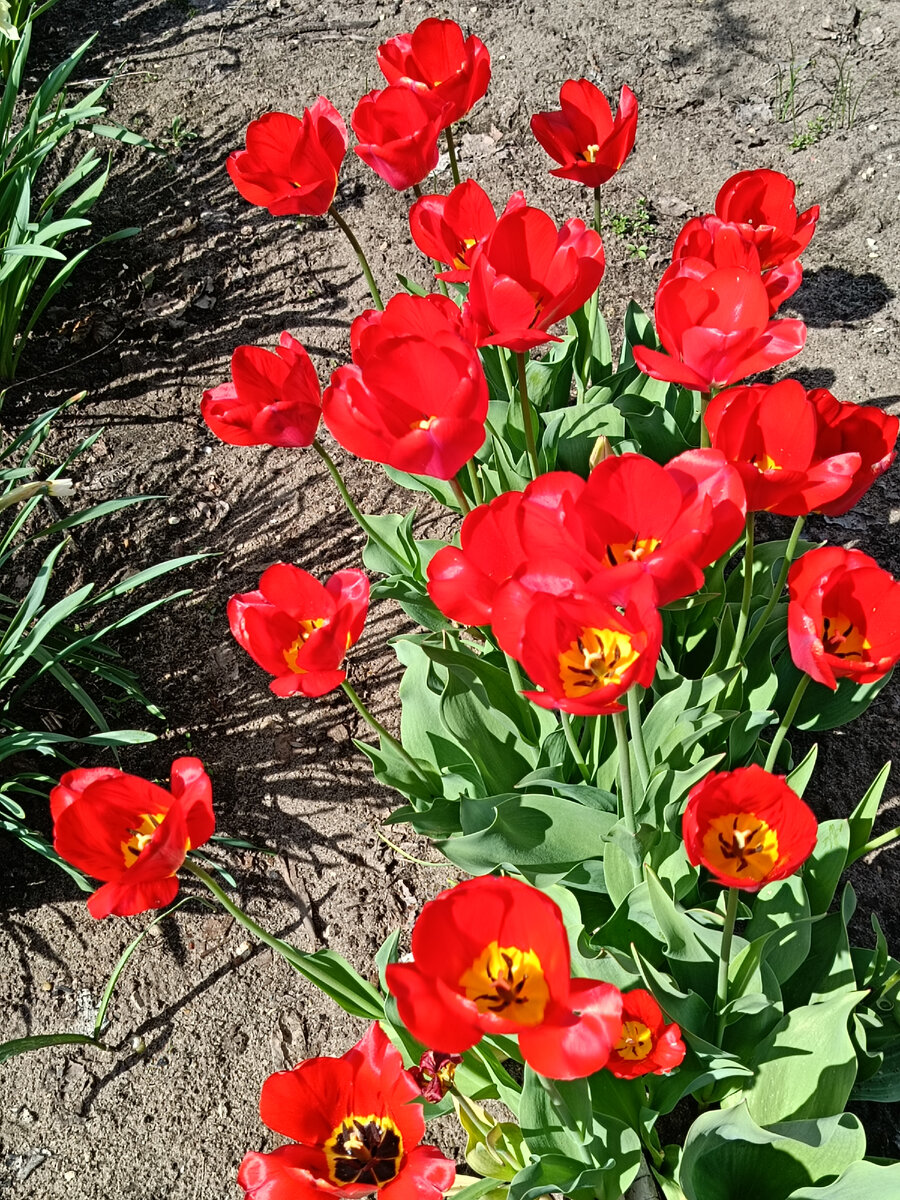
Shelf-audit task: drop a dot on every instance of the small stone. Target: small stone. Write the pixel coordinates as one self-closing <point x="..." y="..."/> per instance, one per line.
<point x="25" y="1116"/>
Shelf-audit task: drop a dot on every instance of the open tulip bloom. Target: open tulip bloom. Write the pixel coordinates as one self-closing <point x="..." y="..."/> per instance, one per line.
<point x="355" y="1130"/>
<point x="298" y="630"/>
<point x="584" y="137"/>
<point x="449" y="229"/>
<point x="491" y="956"/>
<point x="762" y="201"/>
<point x="437" y="59"/>
<point x="131" y="833"/>
<point x="646" y="1045"/>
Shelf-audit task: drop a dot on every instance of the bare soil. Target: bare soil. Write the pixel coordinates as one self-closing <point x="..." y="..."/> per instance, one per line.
<point x="202" y="1016"/>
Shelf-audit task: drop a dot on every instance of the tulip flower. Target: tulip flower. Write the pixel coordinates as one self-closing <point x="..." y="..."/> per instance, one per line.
<point x="132" y="834"/>
<point x="274" y="399"/>
<point x="491" y="956"/>
<point x="398" y="130"/>
<point x="645" y="1045"/>
<point x="762" y="202"/>
<point x="862" y="429"/>
<point x="437" y="59"/>
<point x="298" y="630"/>
<point x="528" y="275"/>
<point x="450" y="228"/>
<point x="355" y="1129"/>
<point x="415" y="397"/>
<point x="843" y="616"/>
<point x="435" y="1073"/>
<point x="583" y="137"/>
<point x="291" y="164"/>
<point x="722" y="244"/>
<point x="584" y="652"/>
<point x="748" y="828"/>
<point x="714" y="325"/>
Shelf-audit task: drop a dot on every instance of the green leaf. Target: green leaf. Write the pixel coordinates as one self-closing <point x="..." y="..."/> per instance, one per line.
<point x="805" y="1069"/>
<point x="40" y="1040"/>
<point x="823" y="869"/>
<point x="782" y="911"/>
<point x="334" y="976"/>
<point x="653" y="427"/>
<point x="863" y="816"/>
<point x="860" y="1181"/>
<point x="728" y="1156"/>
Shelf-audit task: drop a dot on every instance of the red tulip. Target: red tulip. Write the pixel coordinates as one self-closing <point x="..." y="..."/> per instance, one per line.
<point x="763" y="203"/>
<point x="298" y="630"/>
<point x="415" y="397"/>
<point x="843" y="616"/>
<point x="131" y="833"/>
<point x="862" y="429"/>
<point x="584" y="138"/>
<point x="491" y="956"/>
<point x="291" y="164"/>
<point x="398" y="130"/>
<point x="355" y="1129"/>
<point x="748" y="828"/>
<point x="437" y="59"/>
<point x="646" y="1045"/>
<point x="528" y="275"/>
<point x="770" y="433"/>
<point x="450" y="228"/>
<point x="274" y="399"/>
<point x="585" y="653"/>
<point x="715" y="327"/>
<point x="726" y="245"/>
<point x="435" y="1074"/>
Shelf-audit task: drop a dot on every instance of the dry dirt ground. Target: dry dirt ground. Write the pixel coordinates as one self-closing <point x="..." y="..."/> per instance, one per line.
<point x="152" y="323"/>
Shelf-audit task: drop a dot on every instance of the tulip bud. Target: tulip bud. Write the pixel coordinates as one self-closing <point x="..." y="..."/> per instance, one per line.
<point x="601" y="452"/>
<point x="25" y="491"/>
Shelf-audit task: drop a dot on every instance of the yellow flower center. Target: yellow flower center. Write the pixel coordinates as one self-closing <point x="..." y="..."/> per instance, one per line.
<point x="590" y="153"/>
<point x="635" y="1041"/>
<point x="425" y="424"/>
<point x="306" y="628"/>
<point x="765" y="462"/>
<point x="598" y="658"/>
<point x="741" y="845"/>
<point x="841" y="638"/>
<point x="364" y="1151"/>
<point x="141" y="837"/>
<point x="460" y="262"/>
<point x="509" y="982"/>
<point x="633" y="551"/>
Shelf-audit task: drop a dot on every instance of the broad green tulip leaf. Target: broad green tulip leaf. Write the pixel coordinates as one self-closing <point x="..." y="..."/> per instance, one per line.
<point x="884" y="1086"/>
<point x="653" y="426"/>
<point x="728" y="1156"/>
<point x="860" y="1181"/>
<point x="863" y="816"/>
<point x="825" y="866"/>
<point x="489" y="737"/>
<point x="799" y="778"/>
<point x="805" y="1068"/>
<point x="782" y="907"/>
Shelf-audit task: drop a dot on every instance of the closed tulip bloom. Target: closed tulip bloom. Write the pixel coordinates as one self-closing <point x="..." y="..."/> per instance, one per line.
<point x="291" y="164"/>
<point x="770" y="433"/>
<point x="715" y="327"/>
<point x="355" y="1130"/>
<point x="450" y="228"/>
<point x="843" y="616"/>
<point x="528" y="275"/>
<point x="584" y="137"/>
<point x="762" y="202"/>
<point x="274" y="398"/>
<point x="491" y="956"/>
<point x="415" y="397"/>
<point x="646" y="1045"/>
<point x="847" y="428"/>
<point x="131" y="833"/>
<point x="298" y="630"/>
<point x="723" y="244"/>
<point x="585" y="652"/>
<point x="748" y="828"/>
<point x="398" y="130"/>
<point x="438" y="59"/>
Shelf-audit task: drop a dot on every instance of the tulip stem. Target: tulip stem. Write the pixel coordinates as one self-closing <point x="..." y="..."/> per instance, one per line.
<point x="620" y="724"/>
<point x="791" y="712"/>
<point x="526" y="416"/>
<point x="789" y="552"/>
<point x="464" y="505"/>
<point x="877" y="843"/>
<point x="515" y="673"/>
<point x="746" y="594"/>
<point x="633" y="698"/>
<point x="451" y="150"/>
<point x="239" y="915"/>
<point x="705" y="398"/>
<point x="381" y="731"/>
<point x="438" y="266"/>
<point x="582" y="766"/>
<point x="724" y="960"/>
<point x="354" y="510"/>
<point x="598" y="216"/>
<point x="475" y="482"/>
<point x="507" y="377"/>
<point x="363" y="261"/>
